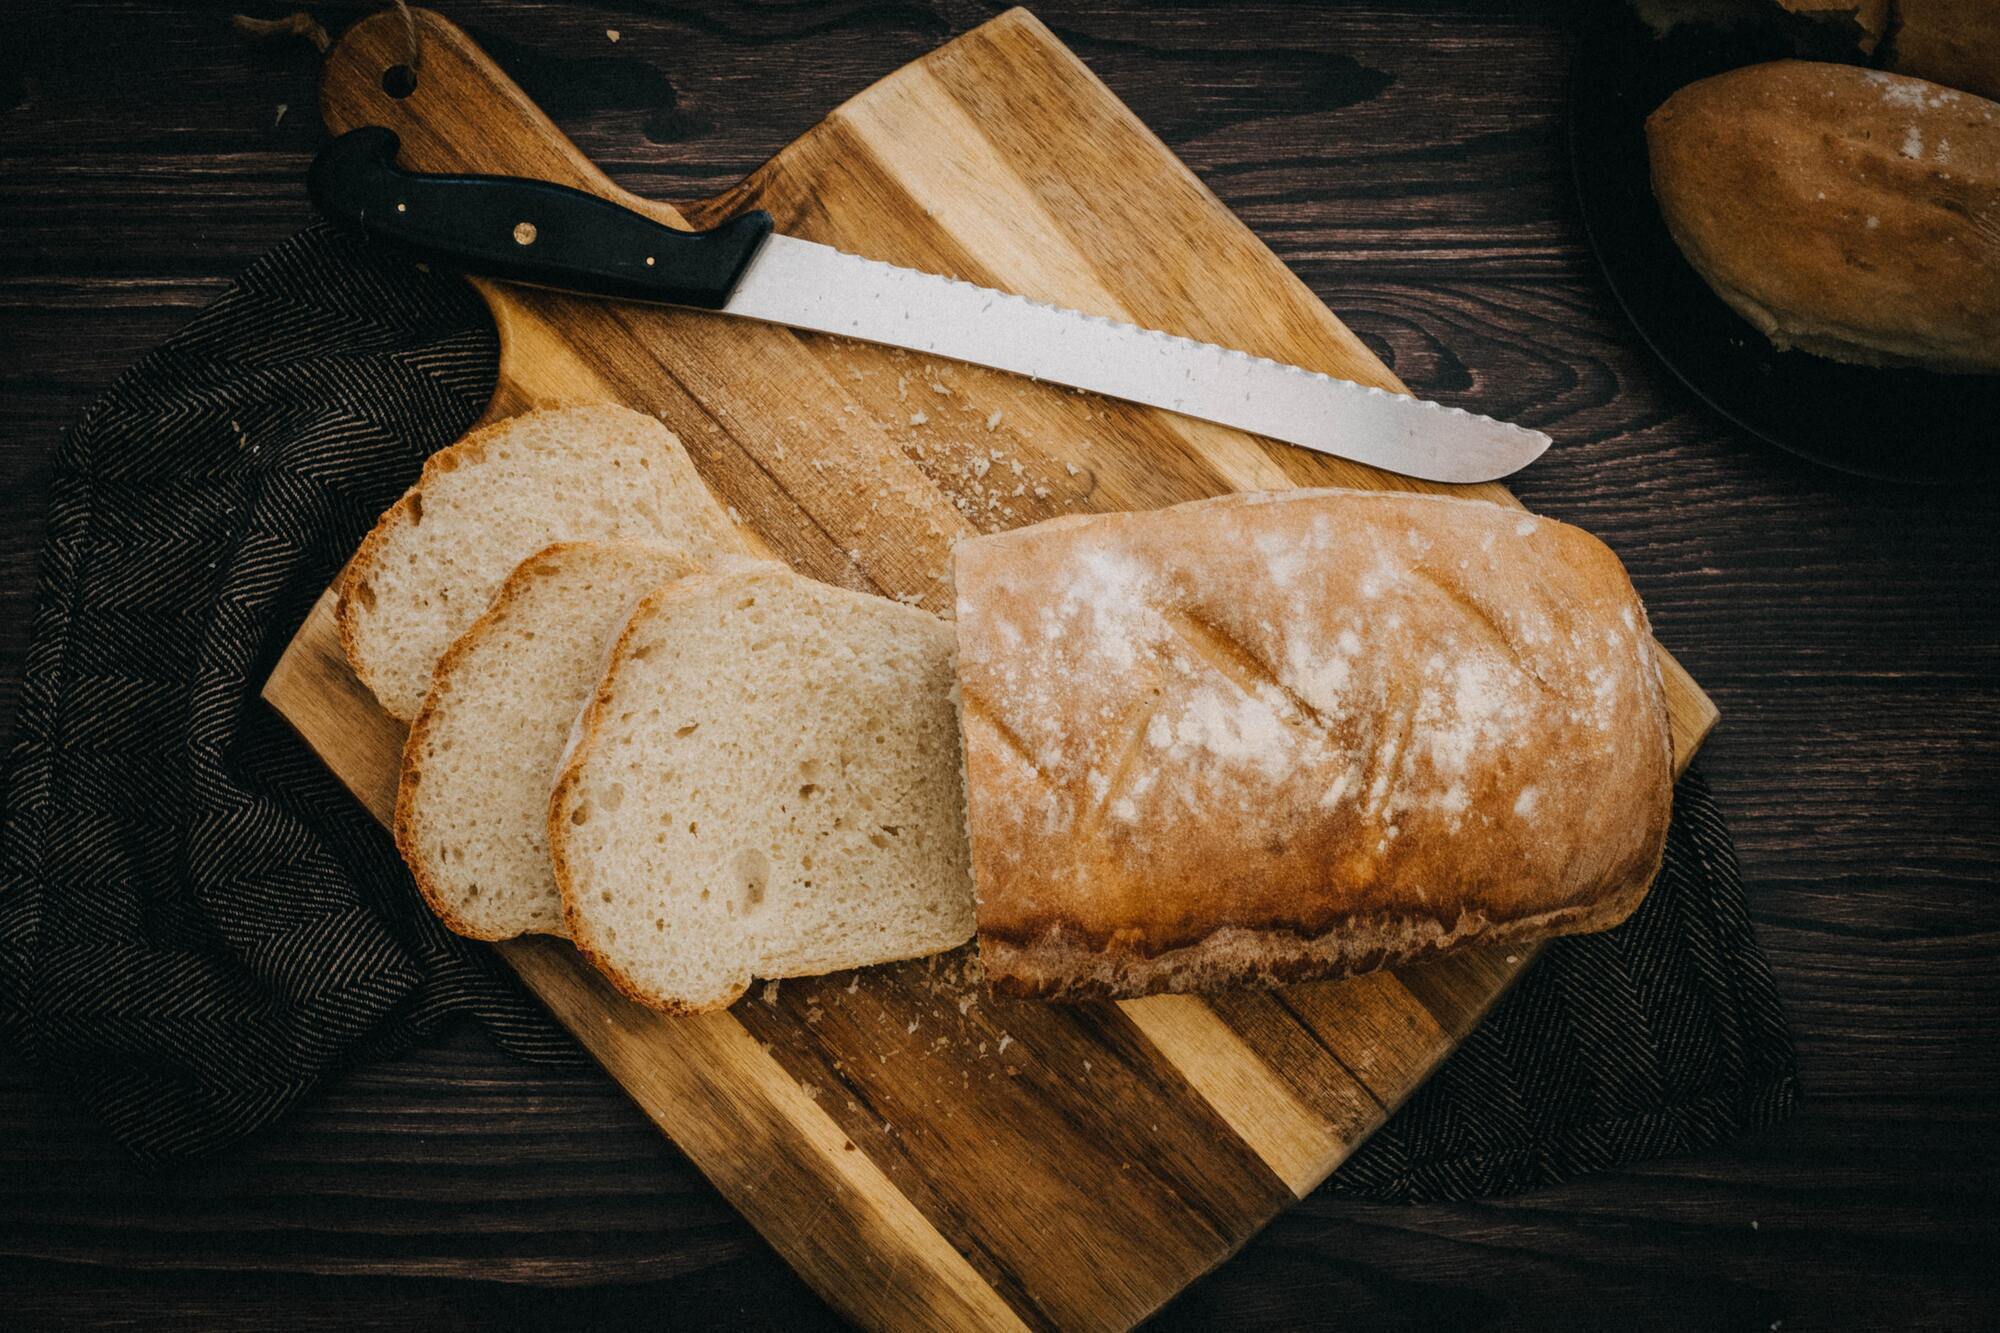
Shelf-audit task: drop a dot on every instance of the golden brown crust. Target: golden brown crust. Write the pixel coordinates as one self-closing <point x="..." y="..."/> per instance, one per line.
<point x="1847" y="212"/>
<point x="1261" y="738"/>
<point x="1062" y="967"/>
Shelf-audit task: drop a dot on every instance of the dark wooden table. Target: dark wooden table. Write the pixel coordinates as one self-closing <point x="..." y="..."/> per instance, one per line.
<point x="1407" y="159"/>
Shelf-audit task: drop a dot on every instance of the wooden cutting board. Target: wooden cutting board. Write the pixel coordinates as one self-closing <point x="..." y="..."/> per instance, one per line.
<point x="922" y="1155"/>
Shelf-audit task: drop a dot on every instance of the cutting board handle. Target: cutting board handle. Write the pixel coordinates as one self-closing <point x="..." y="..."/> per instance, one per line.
<point x="457" y="113"/>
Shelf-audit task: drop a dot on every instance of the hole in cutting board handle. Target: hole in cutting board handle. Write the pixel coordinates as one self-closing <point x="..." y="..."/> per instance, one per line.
<point x="399" y="81"/>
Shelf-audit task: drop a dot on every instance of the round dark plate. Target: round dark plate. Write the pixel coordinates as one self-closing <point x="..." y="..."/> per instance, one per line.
<point x="1897" y="425"/>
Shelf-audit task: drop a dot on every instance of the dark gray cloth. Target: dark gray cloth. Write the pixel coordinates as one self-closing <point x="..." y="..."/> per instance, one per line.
<point x="198" y="926"/>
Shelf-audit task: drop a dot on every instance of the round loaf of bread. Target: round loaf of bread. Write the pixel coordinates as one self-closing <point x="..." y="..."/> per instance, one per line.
<point x="1847" y="212"/>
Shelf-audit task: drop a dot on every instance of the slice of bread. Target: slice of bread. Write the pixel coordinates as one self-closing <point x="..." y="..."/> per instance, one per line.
<point x="472" y="809"/>
<point x="597" y="473"/>
<point x="766" y="784"/>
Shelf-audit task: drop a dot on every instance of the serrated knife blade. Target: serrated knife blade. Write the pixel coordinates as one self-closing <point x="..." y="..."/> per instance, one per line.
<point x="806" y="285"/>
<point x="551" y="235"/>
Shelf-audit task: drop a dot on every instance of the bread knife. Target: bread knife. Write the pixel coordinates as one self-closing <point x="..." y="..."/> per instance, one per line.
<point x="550" y="235"/>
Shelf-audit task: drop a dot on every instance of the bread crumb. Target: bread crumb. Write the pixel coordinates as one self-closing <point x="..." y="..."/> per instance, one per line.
<point x="1073" y="469"/>
<point x="854" y="983"/>
<point x="612" y="34"/>
<point x="918" y="418"/>
<point x="993" y="420"/>
<point x="939" y="388"/>
<point x="1005" y="1042"/>
<point x="771" y="993"/>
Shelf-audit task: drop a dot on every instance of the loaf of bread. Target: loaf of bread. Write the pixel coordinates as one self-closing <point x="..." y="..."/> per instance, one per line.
<point x="1953" y="42"/>
<point x="595" y="473"/>
<point x="766" y="784"/>
<point x="1846" y="212"/>
<point x="472" y="807"/>
<point x="1265" y="738"/>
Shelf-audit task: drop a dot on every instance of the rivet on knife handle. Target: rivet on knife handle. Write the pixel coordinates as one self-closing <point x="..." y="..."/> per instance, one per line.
<point x="527" y="230"/>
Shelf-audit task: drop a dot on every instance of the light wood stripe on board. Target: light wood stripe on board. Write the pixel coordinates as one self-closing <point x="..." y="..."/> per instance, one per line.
<point x="1298" y="1143"/>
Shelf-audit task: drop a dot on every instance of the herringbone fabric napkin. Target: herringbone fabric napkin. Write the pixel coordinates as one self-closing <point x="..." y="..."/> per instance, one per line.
<point x="198" y="927"/>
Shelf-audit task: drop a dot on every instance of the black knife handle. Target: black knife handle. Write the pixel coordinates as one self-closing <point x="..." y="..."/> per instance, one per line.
<point x="528" y="230"/>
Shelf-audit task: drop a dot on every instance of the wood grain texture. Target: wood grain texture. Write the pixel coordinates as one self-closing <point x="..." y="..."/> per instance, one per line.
<point x="1406" y="161"/>
<point x="1123" y="1153"/>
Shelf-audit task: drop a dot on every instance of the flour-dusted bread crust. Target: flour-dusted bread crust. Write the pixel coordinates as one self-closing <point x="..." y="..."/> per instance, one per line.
<point x="765" y="784"/>
<point x="1847" y="212"/>
<point x="429" y="567"/>
<point x="1264" y="738"/>
<point x="472" y="806"/>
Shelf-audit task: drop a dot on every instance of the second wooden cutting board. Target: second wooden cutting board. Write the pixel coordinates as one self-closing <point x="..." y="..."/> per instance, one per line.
<point x="922" y="1155"/>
